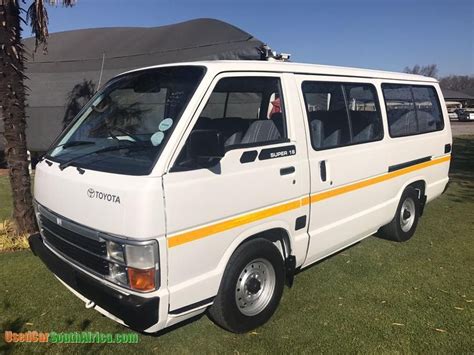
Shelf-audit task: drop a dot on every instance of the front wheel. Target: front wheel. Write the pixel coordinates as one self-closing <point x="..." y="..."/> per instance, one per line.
<point x="403" y="225"/>
<point x="251" y="287"/>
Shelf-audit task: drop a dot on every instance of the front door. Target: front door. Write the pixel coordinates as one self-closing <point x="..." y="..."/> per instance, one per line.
<point x="260" y="181"/>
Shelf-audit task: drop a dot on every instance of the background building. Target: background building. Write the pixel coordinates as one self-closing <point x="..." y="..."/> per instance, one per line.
<point x="457" y="96"/>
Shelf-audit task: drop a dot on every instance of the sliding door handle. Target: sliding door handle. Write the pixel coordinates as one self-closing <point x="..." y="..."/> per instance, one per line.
<point x="322" y="170"/>
<point x="287" y="171"/>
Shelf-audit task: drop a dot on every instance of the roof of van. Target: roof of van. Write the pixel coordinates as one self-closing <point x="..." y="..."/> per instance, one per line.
<point x="300" y="68"/>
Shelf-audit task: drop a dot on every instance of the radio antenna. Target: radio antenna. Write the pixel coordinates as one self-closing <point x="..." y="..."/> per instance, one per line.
<point x="101" y="71"/>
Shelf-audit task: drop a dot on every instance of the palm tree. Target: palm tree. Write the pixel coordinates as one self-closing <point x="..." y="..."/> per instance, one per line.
<point x="78" y="97"/>
<point x="12" y="98"/>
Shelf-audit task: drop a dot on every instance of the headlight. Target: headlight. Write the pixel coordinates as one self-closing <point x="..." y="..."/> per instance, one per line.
<point x="141" y="262"/>
<point x="119" y="274"/>
<point x="141" y="256"/>
<point x="115" y="251"/>
<point x="134" y="265"/>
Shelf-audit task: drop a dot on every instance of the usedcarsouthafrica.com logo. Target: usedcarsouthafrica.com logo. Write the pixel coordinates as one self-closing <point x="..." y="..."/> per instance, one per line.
<point x="103" y="196"/>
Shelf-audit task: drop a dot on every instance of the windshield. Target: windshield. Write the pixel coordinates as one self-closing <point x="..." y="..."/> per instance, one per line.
<point x="124" y="128"/>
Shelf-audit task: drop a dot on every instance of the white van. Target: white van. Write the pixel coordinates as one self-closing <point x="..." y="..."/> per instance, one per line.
<point x="204" y="186"/>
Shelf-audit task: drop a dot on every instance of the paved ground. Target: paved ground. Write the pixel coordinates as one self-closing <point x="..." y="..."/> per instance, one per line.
<point x="462" y="128"/>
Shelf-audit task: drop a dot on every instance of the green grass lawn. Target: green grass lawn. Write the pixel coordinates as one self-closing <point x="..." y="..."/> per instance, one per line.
<point x="377" y="296"/>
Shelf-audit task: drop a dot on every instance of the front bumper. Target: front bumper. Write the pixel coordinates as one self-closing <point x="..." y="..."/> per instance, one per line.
<point x="137" y="312"/>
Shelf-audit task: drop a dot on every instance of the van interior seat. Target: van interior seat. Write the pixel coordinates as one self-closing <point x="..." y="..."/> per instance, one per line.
<point x="237" y="130"/>
<point x="232" y="128"/>
<point x="326" y="128"/>
<point x="426" y="121"/>
<point x="234" y="139"/>
<point x="365" y="126"/>
<point x="277" y="118"/>
<point x="261" y="131"/>
<point x="402" y="122"/>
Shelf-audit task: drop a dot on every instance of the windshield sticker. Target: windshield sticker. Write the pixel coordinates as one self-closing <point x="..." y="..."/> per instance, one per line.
<point x="165" y="124"/>
<point x="157" y="138"/>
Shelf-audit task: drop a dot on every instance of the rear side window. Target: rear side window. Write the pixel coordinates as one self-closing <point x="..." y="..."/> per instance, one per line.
<point x="412" y="109"/>
<point x="342" y="114"/>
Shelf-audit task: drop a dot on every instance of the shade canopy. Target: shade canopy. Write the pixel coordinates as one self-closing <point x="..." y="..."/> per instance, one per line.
<point x="101" y="53"/>
<point x="456" y="95"/>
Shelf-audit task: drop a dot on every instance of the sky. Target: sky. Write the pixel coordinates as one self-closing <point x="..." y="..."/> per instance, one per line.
<point x="377" y="34"/>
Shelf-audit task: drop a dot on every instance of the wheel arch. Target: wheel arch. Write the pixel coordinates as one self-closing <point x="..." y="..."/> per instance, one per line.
<point x="419" y="184"/>
<point x="277" y="232"/>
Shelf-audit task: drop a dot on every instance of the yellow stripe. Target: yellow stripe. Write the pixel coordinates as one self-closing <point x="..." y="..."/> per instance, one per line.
<point x="231" y="223"/>
<point x="219" y="227"/>
<point x="358" y="185"/>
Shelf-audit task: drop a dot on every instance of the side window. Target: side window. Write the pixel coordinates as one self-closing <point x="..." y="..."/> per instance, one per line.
<point x="242" y="106"/>
<point x="364" y="113"/>
<point x="328" y="121"/>
<point x="233" y="104"/>
<point x="215" y="107"/>
<point x="243" y="111"/>
<point x="341" y="114"/>
<point x="412" y="109"/>
<point x="428" y="109"/>
<point x="400" y="110"/>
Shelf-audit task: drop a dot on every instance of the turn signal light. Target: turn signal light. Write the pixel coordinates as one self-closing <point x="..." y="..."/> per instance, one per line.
<point x="141" y="280"/>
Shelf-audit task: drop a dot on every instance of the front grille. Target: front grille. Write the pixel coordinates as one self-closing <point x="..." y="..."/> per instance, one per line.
<point x="86" y="251"/>
<point x="94" y="246"/>
<point x="88" y="260"/>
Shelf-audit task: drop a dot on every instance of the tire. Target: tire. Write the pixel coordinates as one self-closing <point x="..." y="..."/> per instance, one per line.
<point x="403" y="225"/>
<point x="257" y="260"/>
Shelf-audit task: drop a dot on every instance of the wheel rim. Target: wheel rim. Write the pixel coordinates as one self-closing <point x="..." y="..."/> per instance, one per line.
<point x="255" y="287"/>
<point x="407" y="214"/>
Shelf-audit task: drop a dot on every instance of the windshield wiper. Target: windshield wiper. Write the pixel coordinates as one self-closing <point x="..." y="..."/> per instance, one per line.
<point x="64" y="165"/>
<point x="74" y="144"/>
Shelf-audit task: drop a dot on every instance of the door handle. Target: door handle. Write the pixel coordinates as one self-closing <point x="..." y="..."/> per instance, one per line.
<point x="287" y="171"/>
<point x="322" y="170"/>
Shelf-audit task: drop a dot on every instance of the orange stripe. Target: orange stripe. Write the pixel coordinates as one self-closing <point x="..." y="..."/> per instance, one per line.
<point x="358" y="185"/>
<point x="231" y="223"/>
<point x="219" y="227"/>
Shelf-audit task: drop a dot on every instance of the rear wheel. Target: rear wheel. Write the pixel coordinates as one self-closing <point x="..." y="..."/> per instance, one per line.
<point x="251" y="287"/>
<point x="404" y="224"/>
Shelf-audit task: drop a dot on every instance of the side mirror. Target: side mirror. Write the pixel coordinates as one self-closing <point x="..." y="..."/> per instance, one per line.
<point x="206" y="147"/>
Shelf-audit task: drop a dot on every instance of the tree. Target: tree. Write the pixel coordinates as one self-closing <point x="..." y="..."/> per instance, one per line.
<point x="463" y="83"/>
<point x="12" y="98"/>
<point x="79" y="95"/>
<point x="430" y="70"/>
